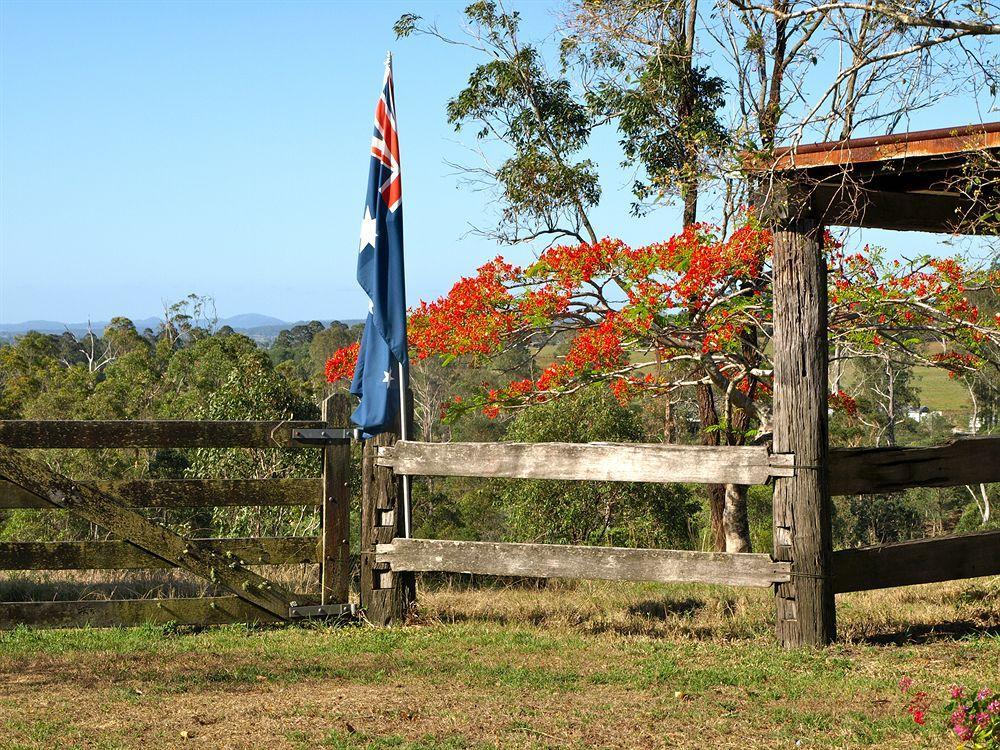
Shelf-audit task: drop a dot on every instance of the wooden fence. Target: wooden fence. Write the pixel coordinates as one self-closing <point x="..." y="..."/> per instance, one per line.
<point x="141" y="543"/>
<point x="855" y="471"/>
<point x="389" y="561"/>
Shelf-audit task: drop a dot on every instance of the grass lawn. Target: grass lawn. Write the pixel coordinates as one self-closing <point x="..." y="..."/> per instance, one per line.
<point x="939" y="392"/>
<point x="591" y="665"/>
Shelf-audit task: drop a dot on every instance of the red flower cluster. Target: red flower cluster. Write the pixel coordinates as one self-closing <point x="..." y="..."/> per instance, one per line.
<point x="844" y="402"/>
<point x="341" y="365"/>
<point x="474" y="318"/>
<point x="689" y="299"/>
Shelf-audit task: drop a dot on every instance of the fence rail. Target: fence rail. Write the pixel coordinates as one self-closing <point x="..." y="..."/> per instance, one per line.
<point x="176" y="433"/>
<point x="105" y="613"/>
<point x="119" y="555"/>
<point x="852" y="471"/>
<point x="859" y="471"/>
<point x="604" y="462"/>
<point x="596" y="563"/>
<point x="185" y="493"/>
<point x="921" y="561"/>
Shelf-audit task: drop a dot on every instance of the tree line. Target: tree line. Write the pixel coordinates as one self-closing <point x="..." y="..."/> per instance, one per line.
<point x="195" y="370"/>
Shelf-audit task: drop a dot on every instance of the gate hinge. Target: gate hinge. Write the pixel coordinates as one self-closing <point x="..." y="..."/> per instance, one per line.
<point x="325" y="436"/>
<point x="298" y="611"/>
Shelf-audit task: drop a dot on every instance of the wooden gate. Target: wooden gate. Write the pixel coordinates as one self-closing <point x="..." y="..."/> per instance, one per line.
<point x="143" y="543"/>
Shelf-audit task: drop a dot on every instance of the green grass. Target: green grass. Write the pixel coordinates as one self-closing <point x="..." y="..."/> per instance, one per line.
<point x="594" y="665"/>
<point x="938" y="392"/>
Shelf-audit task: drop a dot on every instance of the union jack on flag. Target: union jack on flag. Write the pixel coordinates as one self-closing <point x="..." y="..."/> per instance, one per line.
<point x="385" y="142"/>
<point x="383" y="359"/>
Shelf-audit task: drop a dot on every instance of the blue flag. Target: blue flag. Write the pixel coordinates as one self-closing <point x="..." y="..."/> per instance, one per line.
<point x="380" y="273"/>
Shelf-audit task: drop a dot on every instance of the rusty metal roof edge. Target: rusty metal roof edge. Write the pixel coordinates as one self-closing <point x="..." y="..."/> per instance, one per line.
<point x="937" y="134"/>
<point x="875" y="149"/>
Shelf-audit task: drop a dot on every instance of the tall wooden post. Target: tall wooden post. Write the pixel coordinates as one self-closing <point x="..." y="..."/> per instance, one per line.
<point x="387" y="596"/>
<point x="802" y="535"/>
<point x="335" y="548"/>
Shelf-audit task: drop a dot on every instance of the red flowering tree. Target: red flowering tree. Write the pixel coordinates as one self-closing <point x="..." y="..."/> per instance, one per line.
<point x="693" y="310"/>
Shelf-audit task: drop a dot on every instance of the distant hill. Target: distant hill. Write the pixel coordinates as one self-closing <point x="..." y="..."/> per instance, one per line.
<point x="261" y="328"/>
<point x="253" y="320"/>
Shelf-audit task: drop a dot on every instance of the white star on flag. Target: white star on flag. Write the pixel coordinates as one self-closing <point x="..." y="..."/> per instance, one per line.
<point x="387" y="379"/>
<point x="368" y="230"/>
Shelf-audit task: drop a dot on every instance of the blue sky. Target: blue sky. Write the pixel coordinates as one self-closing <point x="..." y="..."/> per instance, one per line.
<point x="152" y="149"/>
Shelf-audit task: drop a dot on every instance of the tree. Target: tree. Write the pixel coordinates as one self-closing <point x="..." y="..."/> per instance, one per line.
<point x="636" y="65"/>
<point x="545" y="191"/>
<point x="684" y="302"/>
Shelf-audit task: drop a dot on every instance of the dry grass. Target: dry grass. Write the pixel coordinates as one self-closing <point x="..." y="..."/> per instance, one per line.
<point x="27" y="586"/>
<point x="565" y="666"/>
<point x="715" y="612"/>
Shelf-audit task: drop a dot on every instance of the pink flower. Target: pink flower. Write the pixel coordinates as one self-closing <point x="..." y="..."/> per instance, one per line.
<point x="983" y="694"/>
<point x="958" y="716"/>
<point x="982" y="718"/>
<point x="956" y="691"/>
<point x="905" y="684"/>
<point x="963" y="733"/>
<point x="994" y="707"/>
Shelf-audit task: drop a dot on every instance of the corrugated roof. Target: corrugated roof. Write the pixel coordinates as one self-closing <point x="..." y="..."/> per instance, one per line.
<point x="918" y="143"/>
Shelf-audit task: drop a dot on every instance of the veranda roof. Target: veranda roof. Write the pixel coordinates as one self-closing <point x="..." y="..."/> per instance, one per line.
<point x="944" y="180"/>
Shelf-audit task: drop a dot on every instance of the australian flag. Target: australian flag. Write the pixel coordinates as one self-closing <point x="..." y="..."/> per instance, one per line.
<point x="380" y="273"/>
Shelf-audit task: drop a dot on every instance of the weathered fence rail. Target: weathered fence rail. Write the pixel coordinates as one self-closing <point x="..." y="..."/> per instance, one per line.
<point x="946" y="558"/>
<point x="851" y="470"/>
<point x="603" y="462"/>
<point x="105" y="613"/>
<point x="860" y="471"/>
<point x="596" y="563"/>
<point x="164" y="433"/>
<point x="185" y="493"/>
<point x="119" y="555"/>
<point x="142" y="543"/>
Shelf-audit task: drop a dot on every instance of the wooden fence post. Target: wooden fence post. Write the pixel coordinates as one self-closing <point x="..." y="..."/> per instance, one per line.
<point x="335" y="548"/>
<point x="802" y="535"/>
<point x="387" y="597"/>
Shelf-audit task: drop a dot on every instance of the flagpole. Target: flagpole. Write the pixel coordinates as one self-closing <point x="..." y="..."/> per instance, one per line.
<point x="404" y="418"/>
<point x="404" y="434"/>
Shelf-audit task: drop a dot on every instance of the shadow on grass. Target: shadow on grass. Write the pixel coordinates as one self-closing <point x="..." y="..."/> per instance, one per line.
<point x="944" y="631"/>
<point x="661" y="609"/>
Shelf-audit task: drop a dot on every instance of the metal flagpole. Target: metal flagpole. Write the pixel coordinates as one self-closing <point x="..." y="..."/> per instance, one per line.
<point x="404" y="420"/>
<point x="404" y="434"/>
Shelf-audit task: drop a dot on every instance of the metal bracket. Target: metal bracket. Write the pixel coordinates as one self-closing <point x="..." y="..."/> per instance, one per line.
<point x="326" y="436"/>
<point x="298" y="611"/>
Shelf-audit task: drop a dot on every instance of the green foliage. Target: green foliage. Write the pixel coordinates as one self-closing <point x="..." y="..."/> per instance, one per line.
<point x="621" y="514"/>
<point x="184" y="371"/>
<point x="667" y="115"/>
<point x="513" y="99"/>
<point x="877" y="519"/>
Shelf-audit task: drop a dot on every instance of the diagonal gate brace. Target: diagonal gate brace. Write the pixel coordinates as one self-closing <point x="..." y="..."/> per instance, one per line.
<point x="110" y="511"/>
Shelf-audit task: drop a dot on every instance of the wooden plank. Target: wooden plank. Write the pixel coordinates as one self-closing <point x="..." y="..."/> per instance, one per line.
<point x="335" y="498"/>
<point x="922" y="561"/>
<point x="209" y="610"/>
<point x="387" y="596"/>
<point x="185" y="493"/>
<point x="604" y="462"/>
<point x="851" y="206"/>
<point x="804" y="607"/>
<point x="857" y="471"/>
<point x="109" y="511"/>
<point x="599" y="563"/>
<point x="118" y="555"/>
<point x="54" y="433"/>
